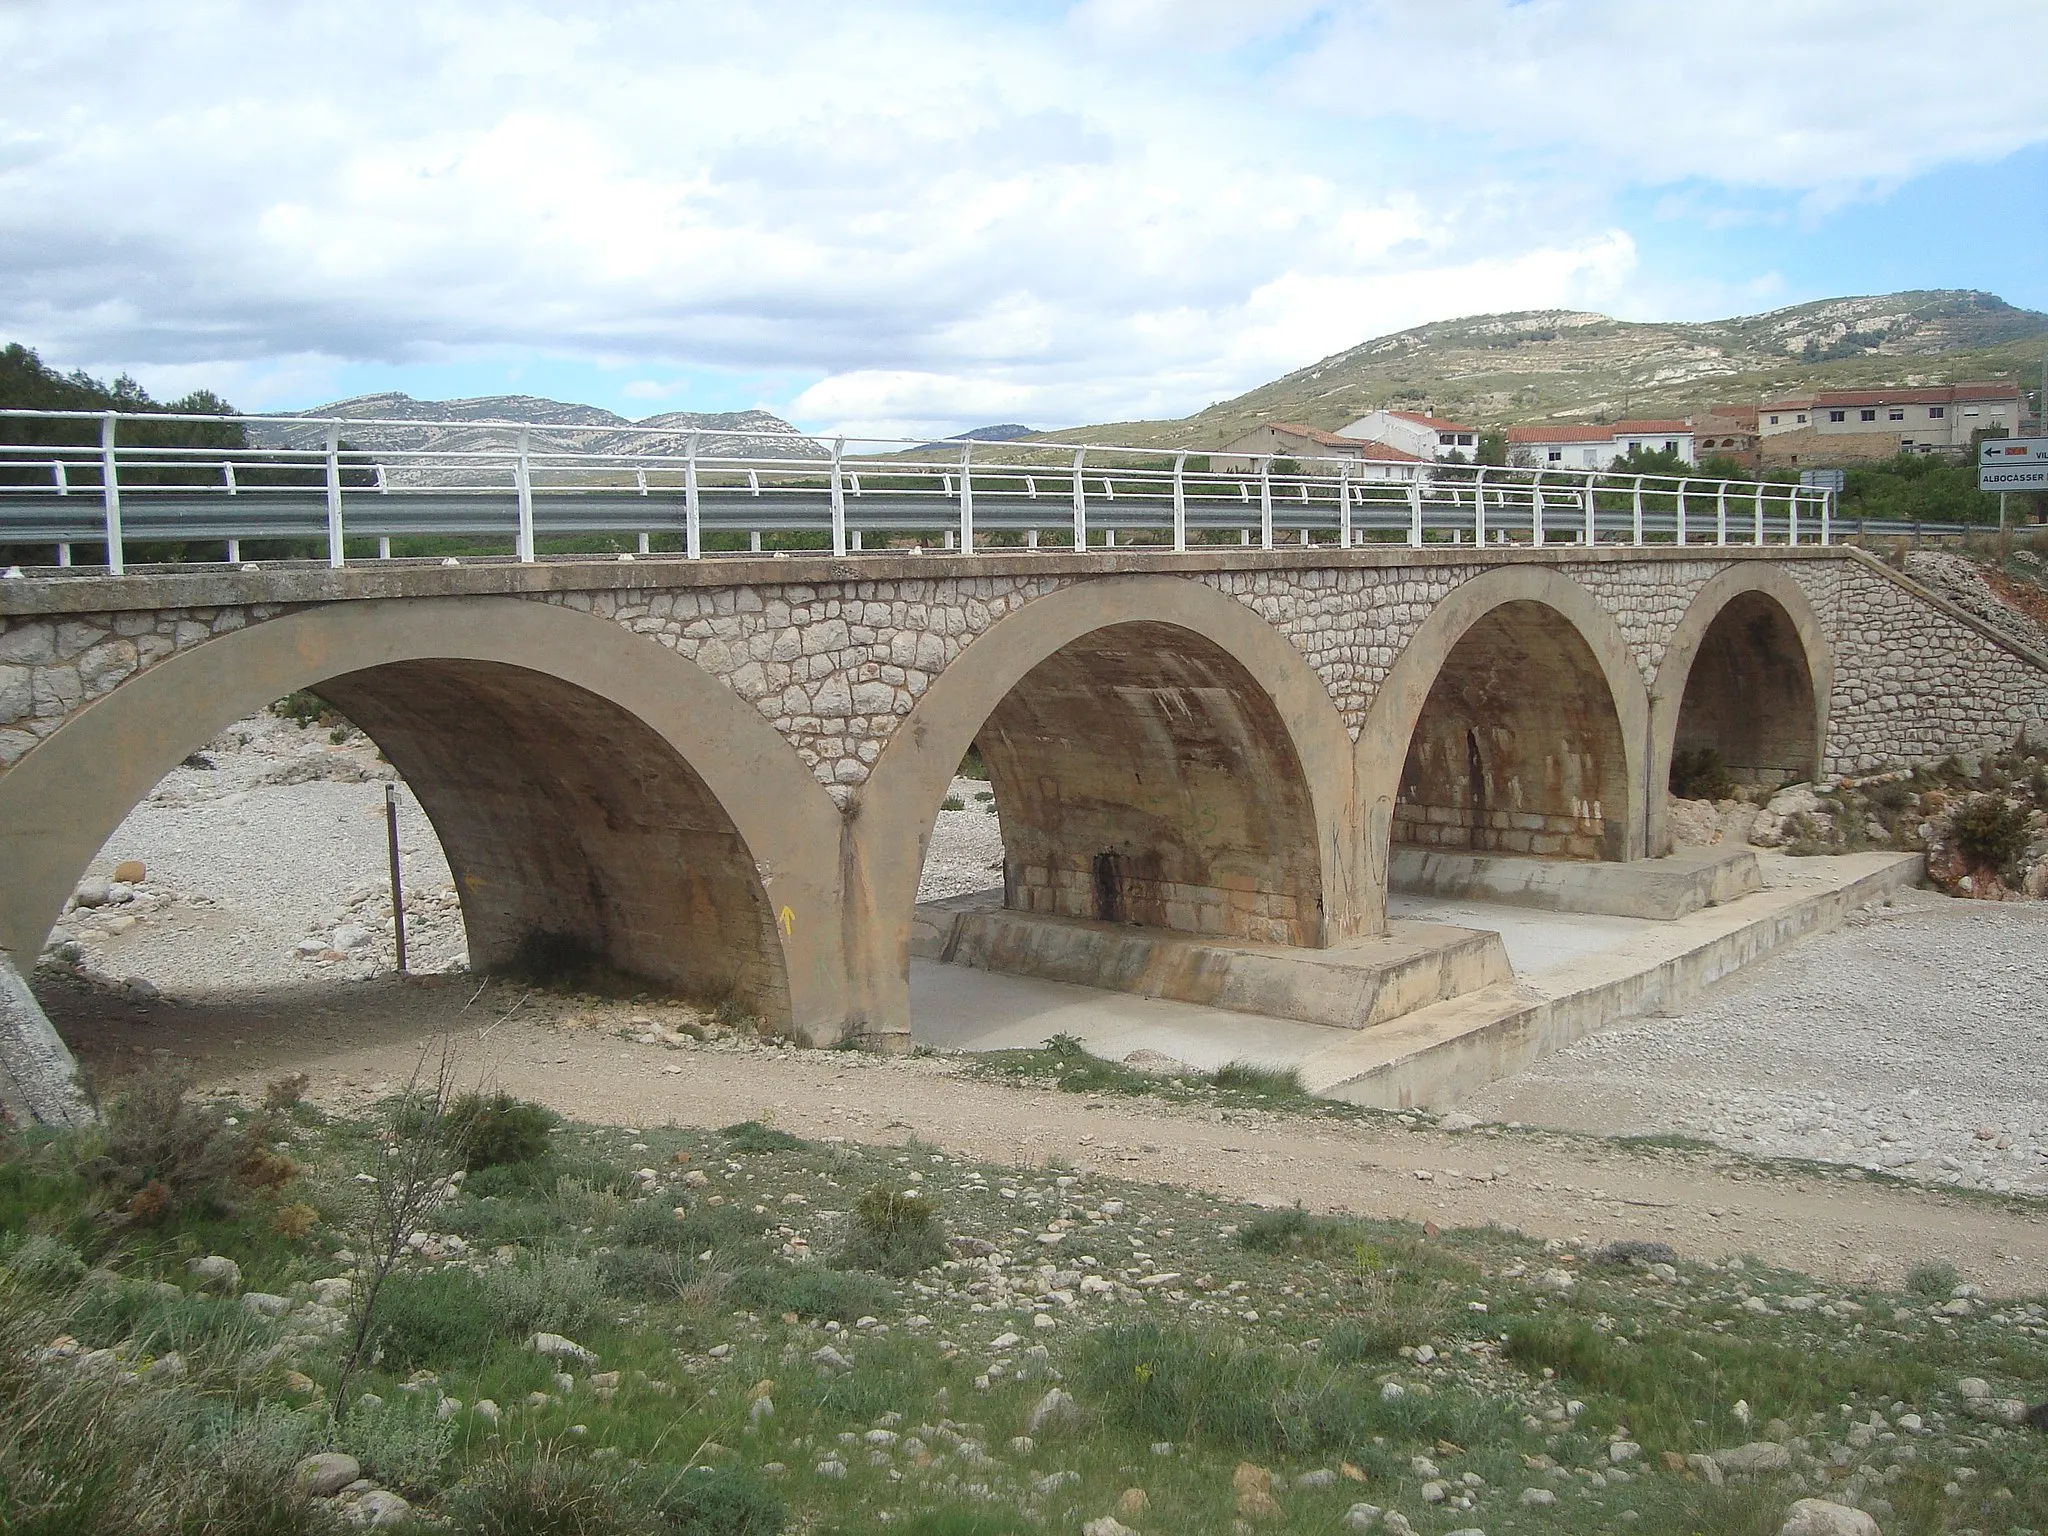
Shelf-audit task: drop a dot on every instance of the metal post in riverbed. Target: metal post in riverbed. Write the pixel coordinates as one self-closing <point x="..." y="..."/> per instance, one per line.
<point x="397" y="889"/>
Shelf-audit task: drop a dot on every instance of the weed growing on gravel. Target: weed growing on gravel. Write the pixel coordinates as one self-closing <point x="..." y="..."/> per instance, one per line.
<point x="1260" y="1082"/>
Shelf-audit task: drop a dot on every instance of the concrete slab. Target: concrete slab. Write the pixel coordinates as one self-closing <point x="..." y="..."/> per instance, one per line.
<point x="1434" y="1054"/>
<point x="1354" y="985"/>
<point x="953" y="1008"/>
<point x="1663" y="889"/>
<point x="1535" y="939"/>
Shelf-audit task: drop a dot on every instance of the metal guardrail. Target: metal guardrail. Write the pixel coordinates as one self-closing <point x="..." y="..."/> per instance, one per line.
<point x="113" y="494"/>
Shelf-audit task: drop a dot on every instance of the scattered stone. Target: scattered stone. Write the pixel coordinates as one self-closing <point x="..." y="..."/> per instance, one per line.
<point x="1054" y="1411"/>
<point x="324" y="1475"/>
<point x="1254" y="1487"/>
<point x="1131" y="1503"/>
<point x="130" y="872"/>
<point x="1107" y="1525"/>
<point x="378" y="1509"/>
<point x="263" y="1304"/>
<point x="1360" y="1517"/>
<point x="1159" y="1064"/>
<point x="555" y="1347"/>
<point x="216" y="1273"/>
<point x="486" y="1410"/>
<point x="1817" y="1517"/>
<point x="1634" y="1251"/>
<point x="1458" y="1121"/>
<point x="832" y="1467"/>
<point x="1757" y="1456"/>
<point x="1538" y="1498"/>
<point x="336" y="1291"/>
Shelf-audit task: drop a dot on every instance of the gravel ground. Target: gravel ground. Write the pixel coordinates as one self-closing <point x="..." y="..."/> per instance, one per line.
<point x="1909" y="1041"/>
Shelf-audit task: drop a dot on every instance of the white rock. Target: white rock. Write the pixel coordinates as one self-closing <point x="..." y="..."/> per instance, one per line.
<point x="1538" y="1498"/>
<point x="1818" y="1517"/>
<point x="1757" y="1456"/>
<point x="263" y="1304"/>
<point x="1360" y="1517"/>
<point x="379" y="1508"/>
<point x="1458" y="1120"/>
<point x="1107" y="1525"/>
<point x="486" y="1410"/>
<point x="324" y="1475"/>
<point x="555" y="1347"/>
<point x="216" y="1273"/>
<point x="1055" y="1410"/>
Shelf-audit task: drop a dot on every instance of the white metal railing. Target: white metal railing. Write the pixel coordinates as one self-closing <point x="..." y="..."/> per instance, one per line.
<point x="520" y="483"/>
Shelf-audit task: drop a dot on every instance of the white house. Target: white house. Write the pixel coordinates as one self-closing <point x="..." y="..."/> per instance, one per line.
<point x="1287" y="439"/>
<point x="1568" y="447"/>
<point x="1425" y="436"/>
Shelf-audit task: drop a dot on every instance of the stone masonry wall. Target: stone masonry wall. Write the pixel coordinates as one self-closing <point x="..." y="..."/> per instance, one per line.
<point x="834" y="666"/>
<point x="1912" y="683"/>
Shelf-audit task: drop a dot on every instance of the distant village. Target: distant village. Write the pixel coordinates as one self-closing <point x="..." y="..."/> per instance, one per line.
<point x="1826" y="428"/>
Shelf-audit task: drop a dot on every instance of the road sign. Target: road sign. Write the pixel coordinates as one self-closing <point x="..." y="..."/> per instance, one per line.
<point x="1822" y="479"/>
<point x="2013" y="464"/>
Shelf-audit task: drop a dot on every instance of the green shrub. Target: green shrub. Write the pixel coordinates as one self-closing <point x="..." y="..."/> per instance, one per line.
<point x="1076" y="1070"/>
<point x="895" y="1233"/>
<point x="1991" y="831"/>
<point x="1697" y="773"/>
<point x="812" y="1292"/>
<point x="433" y="1319"/>
<point x="728" y="1501"/>
<point x="84" y="1453"/>
<point x="40" y="1262"/>
<point x="1171" y="1383"/>
<point x="952" y="803"/>
<point x="644" y="1272"/>
<point x="538" y="1490"/>
<point x="1935" y="1281"/>
<point x="753" y="1136"/>
<point x="495" y="1130"/>
<point x="1268" y="1082"/>
<point x="401" y="1442"/>
<point x="544" y="1293"/>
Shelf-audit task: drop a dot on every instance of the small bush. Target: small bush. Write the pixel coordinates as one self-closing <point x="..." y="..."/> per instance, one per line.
<point x="541" y="1491"/>
<point x="952" y="803"/>
<point x="810" y="1291"/>
<point x="160" y="1154"/>
<point x="724" y="1502"/>
<point x="286" y="1093"/>
<point x="401" y="1442"/>
<point x="753" y="1136"/>
<point x="1078" y="1071"/>
<point x="1697" y="773"/>
<point x="490" y="1131"/>
<point x="895" y="1233"/>
<point x="433" y="1319"/>
<point x="305" y="709"/>
<point x="544" y="1293"/>
<point x="1991" y="831"/>
<point x="1934" y="1281"/>
<point x="39" y="1263"/>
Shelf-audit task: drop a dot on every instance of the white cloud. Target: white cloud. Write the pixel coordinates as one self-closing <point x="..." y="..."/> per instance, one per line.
<point x="944" y="215"/>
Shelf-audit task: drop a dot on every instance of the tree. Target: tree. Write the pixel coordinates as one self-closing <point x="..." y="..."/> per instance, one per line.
<point x="1642" y="461"/>
<point x="1493" y="446"/>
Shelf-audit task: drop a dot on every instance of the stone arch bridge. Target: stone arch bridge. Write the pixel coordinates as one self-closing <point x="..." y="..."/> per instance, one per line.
<point x="723" y="774"/>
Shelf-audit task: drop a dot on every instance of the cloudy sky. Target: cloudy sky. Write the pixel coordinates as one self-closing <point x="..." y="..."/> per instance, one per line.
<point x="905" y="217"/>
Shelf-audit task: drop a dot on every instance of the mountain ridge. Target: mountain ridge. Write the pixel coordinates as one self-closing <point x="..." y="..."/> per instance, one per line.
<point x="1581" y="366"/>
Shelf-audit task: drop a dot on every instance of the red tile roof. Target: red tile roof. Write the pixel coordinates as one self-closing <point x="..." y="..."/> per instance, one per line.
<point x="1560" y="434"/>
<point x="1938" y="394"/>
<point x="1364" y="447"/>
<point x="1434" y="423"/>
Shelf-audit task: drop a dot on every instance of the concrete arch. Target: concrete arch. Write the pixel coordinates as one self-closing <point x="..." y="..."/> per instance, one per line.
<point x="1171" y="647"/>
<point x="586" y="783"/>
<point x="1504" y="595"/>
<point x="1748" y="671"/>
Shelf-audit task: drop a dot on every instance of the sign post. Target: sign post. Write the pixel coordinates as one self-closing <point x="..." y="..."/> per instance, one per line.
<point x="2013" y="464"/>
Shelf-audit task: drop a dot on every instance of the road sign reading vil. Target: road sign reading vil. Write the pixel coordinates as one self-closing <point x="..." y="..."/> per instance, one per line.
<point x="2013" y="464"/>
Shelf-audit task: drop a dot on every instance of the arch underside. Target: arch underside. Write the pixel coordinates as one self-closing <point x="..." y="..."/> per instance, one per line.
<point x="1749" y="695"/>
<point x="572" y="828"/>
<point x="1519" y="747"/>
<point x="1143" y="776"/>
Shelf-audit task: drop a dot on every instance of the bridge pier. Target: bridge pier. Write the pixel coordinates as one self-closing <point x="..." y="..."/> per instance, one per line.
<point x="38" y="1074"/>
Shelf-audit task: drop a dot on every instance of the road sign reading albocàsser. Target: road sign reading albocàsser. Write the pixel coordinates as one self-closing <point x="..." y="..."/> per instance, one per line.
<point x="2013" y="464"/>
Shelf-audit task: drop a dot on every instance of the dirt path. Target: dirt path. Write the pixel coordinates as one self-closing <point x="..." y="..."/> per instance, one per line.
<point x="363" y="1040"/>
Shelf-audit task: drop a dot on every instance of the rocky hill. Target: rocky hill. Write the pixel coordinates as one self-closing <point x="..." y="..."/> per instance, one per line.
<point x="1572" y="365"/>
<point x="386" y="428"/>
